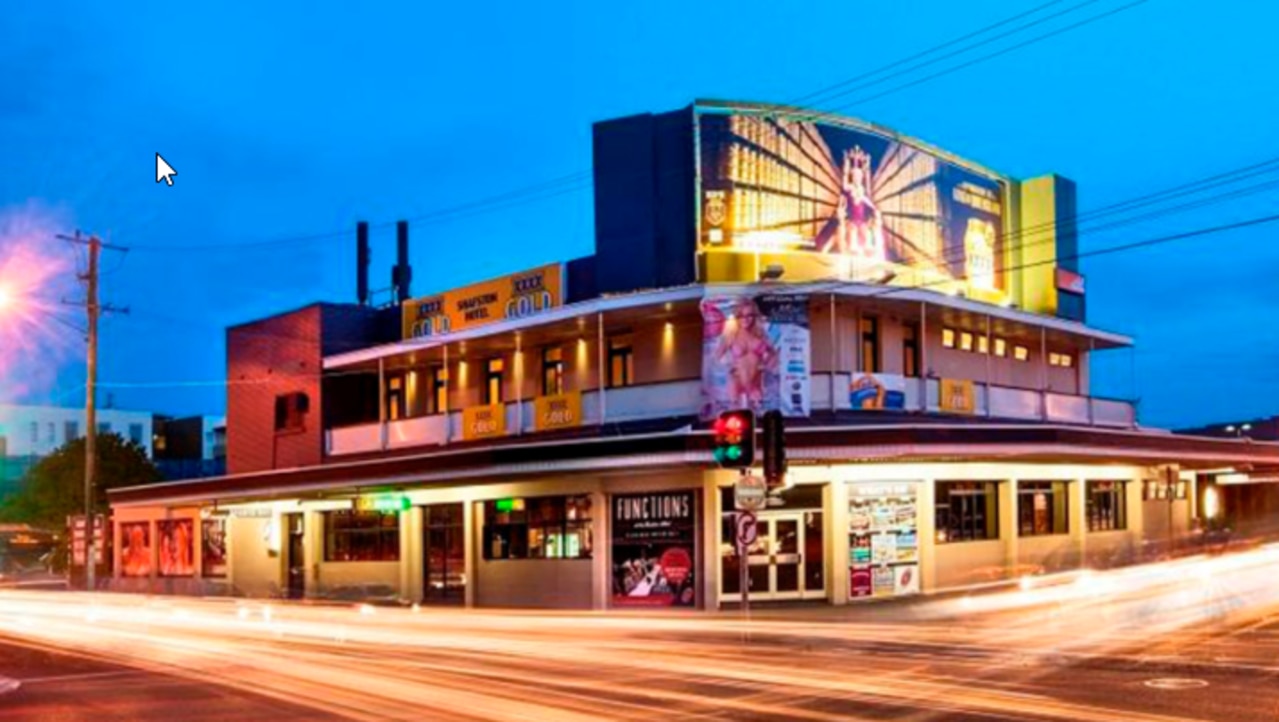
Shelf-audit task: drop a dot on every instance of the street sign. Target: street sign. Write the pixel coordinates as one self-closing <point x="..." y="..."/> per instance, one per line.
<point x="747" y="530"/>
<point x="750" y="493"/>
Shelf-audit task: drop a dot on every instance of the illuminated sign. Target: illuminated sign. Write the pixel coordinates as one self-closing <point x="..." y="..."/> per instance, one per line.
<point x="833" y="199"/>
<point x="957" y="396"/>
<point x="1070" y="282"/>
<point x="515" y="296"/>
<point x="558" y="411"/>
<point x="483" y="422"/>
<point x="383" y="502"/>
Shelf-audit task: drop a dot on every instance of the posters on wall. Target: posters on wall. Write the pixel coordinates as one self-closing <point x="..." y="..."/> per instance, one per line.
<point x="756" y="355"/>
<point x="176" y="539"/>
<point x="883" y="540"/>
<point x="654" y="549"/>
<point x="877" y="392"/>
<point x="842" y="200"/>
<point x="213" y="557"/>
<point x="135" y="549"/>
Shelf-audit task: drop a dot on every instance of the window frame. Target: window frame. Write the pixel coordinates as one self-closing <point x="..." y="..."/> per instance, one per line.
<point x="911" y="360"/>
<point x="387" y="536"/>
<point x="621" y="348"/>
<point x="494" y="373"/>
<point x="948" y="338"/>
<point x="1058" y="493"/>
<point x="1021" y="353"/>
<point x="871" y="352"/>
<point x="1113" y="514"/>
<point x="529" y="530"/>
<point x="970" y="521"/>
<point x="552" y="370"/>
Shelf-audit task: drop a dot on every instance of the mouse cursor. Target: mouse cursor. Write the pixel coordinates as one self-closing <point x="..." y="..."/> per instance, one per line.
<point x="163" y="171"/>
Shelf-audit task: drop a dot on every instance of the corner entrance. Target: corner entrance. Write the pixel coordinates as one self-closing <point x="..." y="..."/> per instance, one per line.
<point x="788" y="559"/>
<point x="443" y="554"/>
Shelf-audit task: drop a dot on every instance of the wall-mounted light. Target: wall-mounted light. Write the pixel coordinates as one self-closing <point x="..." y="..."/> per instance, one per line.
<point x="772" y="272"/>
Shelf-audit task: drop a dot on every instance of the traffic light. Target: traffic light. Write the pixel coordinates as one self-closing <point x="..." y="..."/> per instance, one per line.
<point x="735" y="439"/>
<point x="774" y="448"/>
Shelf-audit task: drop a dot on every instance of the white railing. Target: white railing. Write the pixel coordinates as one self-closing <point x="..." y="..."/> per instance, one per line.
<point x="683" y="398"/>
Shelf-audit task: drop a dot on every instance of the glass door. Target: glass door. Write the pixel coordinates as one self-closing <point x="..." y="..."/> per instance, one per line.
<point x="295" y="551"/>
<point x="444" y="554"/>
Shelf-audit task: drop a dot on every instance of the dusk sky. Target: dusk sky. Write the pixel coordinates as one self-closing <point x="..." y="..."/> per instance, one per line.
<point x="287" y="122"/>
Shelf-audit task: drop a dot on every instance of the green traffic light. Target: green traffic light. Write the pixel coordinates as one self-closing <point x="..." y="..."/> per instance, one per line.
<point x="734" y="453"/>
<point x="719" y="455"/>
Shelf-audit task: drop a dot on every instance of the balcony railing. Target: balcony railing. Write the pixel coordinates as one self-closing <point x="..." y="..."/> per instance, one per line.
<point x="683" y="398"/>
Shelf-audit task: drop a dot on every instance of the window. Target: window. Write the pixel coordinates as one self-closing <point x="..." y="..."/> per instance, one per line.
<point x="1021" y="353"/>
<point x="439" y="390"/>
<point x="910" y="350"/>
<point x="51" y="433"/>
<point x="104" y="427"/>
<point x="621" y="362"/>
<point x="72" y="430"/>
<point x="967" y="511"/>
<point x="965" y="341"/>
<point x="290" y="411"/>
<point x="1043" y="507"/>
<point x="135" y="433"/>
<point x="552" y="371"/>
<point x="35" y="432"/>
<point x="1107" y="510"/>
<point x="870" y="344"/>
<point x="550" y="527"/>
<point x="1001" y="347"/>
<point x="948" y="337"/>
<point x="361" y="536"/>
<point x="983" y="344"/>
<point x="493" y="380"/>
<point x="395" y="397"/>
<point x="1060" y="359"/>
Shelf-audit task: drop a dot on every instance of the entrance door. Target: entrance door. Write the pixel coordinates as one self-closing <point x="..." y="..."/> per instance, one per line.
<point x="787" y="560"/>
<point x="295" y="555"/>
<point x="444" y="554"/>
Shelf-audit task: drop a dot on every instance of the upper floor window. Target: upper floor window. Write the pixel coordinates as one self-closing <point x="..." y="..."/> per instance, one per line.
<point x="439" y="390"/>
<point x="621" y="362"/>
<point x="1042" y="508"/>
<point x="965" y="341"/>
<point x="493" y="380"/>
<point x="290" y="411"/>
<point x="35" y="432"/>
<point x="910" y="350"/>
<point x="1106" y="506"/>
<point x="948" y="337"/>
<point x="1021" y="353"/>
<point x="870" y="344"/>
<point x="135" y="433"/>
<point x="983" y="344"/>
<point x="967" y="511"/>
<point x="1001" y="347"/>
<point x="552" y="370"/>
<point x="396" y="398"/>
<point x="104" y="427"/>
<point x="1064" y="360"/>
<point x="72" y="430"/>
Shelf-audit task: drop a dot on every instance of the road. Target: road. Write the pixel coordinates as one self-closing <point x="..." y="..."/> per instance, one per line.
<point x="1196" y="639"/>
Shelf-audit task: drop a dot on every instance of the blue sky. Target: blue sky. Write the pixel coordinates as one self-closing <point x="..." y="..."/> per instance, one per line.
<point x="289" y="119"/>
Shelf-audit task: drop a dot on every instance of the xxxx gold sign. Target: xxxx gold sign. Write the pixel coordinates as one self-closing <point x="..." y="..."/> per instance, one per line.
<point x="514" y="296"/>
<point x="957" y="396"/>
<point x="559" y="411"/>
<point x="483" y="422"/>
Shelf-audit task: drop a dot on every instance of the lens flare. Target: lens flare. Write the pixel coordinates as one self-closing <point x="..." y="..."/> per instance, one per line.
<point x="35" y="271"/>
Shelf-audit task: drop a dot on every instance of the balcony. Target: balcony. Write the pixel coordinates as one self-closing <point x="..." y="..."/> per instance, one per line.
<point x="683" y="398"/>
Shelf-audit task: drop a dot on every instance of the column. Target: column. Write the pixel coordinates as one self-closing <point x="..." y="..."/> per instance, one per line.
<point x="600" y="373"/>
<point x="601" y="573"/>
<point x="1079" y="519"/>
<point x="312" y="548"/>
<point x="412" y="540"/>
<point x="1008" y="524"/>
<point x="834" y="352"/>
<point x="926" y="500"/>
<point x="519" y="386"/>
<point x="711" y="481"/>
<point x="381" y="402"/>
<point x="835" y="503"/>
<point x="471" y="533"/>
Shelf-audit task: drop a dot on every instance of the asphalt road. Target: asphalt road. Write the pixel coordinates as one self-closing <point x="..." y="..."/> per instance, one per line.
<point x="1195" y="640"/>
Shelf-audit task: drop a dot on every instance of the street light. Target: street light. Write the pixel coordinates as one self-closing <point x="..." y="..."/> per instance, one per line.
<point x="6" y="297"/>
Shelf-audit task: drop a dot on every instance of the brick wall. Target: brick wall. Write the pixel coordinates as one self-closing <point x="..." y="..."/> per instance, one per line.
<point x="266" y="359"/>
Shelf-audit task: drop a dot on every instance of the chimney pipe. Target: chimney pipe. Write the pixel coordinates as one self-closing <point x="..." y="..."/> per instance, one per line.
<point x="402" y="276"/>
<point x="363" y="255"/>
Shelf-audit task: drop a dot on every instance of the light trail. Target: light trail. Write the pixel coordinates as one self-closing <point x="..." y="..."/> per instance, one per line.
<point x="936" y="659"/>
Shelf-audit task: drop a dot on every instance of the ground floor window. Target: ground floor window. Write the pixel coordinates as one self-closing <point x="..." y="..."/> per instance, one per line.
<point x="352" y="535"/>
<point x="967" y="511"/>
<point x="1107" y="507"/>
<point x="548" y="527"/>
<point x="1043" y="507"/>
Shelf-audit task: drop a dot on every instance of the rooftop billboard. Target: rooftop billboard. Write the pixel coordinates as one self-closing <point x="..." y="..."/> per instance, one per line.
<point x="832" y="200"/>
<point x="514" y="296"/>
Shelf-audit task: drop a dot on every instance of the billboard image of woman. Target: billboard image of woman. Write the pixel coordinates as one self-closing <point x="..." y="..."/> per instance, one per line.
<point x="177" y="556"/>
<point x="135" y="549"/>
<point x="755" y="355"/>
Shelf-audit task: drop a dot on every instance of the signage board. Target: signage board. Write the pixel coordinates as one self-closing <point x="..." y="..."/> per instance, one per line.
<point x="382" y="502"/>
<point x="1070" y="282"/>
<point x="557" y="411"/>
<point x="483" y="422"/>
<point x="747" y="529"/>
<point x="877" y="392"/>
<point x="654" y="549"/>
<point x="957" y="396"/>
<point x="515" y="296"/>
<point x="750" y="493"/>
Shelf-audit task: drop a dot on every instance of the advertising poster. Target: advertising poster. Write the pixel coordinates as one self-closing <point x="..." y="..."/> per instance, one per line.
<point x="483" y="422"/>
<point x="871" y="392"/>
<point x="135" y="549"/>
<point x="558" y="411"/>
<point x="860" y="582"/>
<point x="957" y="396"/>
<point x="213" y="556"/>
<point x="845" y="201"/>
<point x="883" y="581"/>
<point x="654" y="549"/>
<point x="906" y="580"/>
<point x="515" y="296"/>
<point x="883" y="539"/>
<point x="756" y="355"/>
<point x="177" y="547"/>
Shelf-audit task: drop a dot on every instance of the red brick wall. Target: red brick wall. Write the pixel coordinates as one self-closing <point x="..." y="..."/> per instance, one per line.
<point x="267" y="359"/>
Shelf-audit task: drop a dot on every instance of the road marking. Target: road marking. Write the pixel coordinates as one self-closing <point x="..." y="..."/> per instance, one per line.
<point x="1176" y="684"/>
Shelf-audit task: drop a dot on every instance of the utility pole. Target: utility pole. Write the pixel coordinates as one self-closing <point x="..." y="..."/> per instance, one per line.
<point x="93" y="310"/>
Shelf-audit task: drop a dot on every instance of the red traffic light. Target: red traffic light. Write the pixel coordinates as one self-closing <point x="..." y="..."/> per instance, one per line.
<point x="734" y="444"/>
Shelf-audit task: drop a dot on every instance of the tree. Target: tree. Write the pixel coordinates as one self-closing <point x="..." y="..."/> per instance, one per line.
<point x="53" y="489"/>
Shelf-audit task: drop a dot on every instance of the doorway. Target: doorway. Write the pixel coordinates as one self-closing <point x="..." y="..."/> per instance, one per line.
<point x="788" y="559"/>
<point x="443" y="554"/>
<point x="295" y="555"/>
